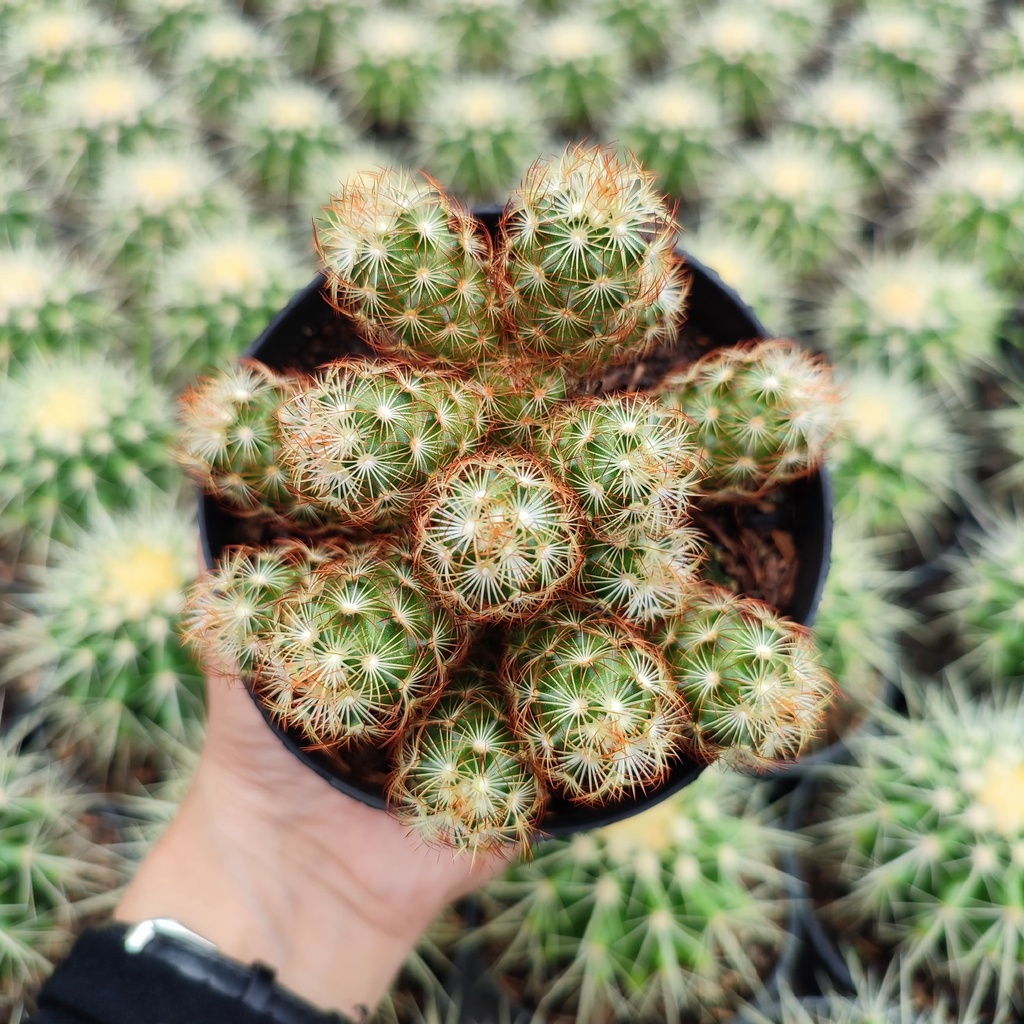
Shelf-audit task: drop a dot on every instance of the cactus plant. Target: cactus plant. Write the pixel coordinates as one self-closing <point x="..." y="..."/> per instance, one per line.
<point x="902" y="47"/>
<point x="389" y="63"/>
<point x="461" y="780"/>
<point x="595" y="705"/>
<point x="360" y="161"/>
<point x="588" y="258"/>
<point x="647" y="28"/>
<point x="803" y="20"/>
<point x="477" y="135"/>
<point x="634" y="464"/>
<point x="164" y="25"/>
<point x="576" y="67"/>
<point x="793" y="196"/>
<point x="223" y="61"/>
<point x="498" y="536"/>
<point x="406" y="263"/>
<point x="23" y="209"/>
<point x="362" y="440"/>
<point x="739" y="52"/>
<point x="76" y="432"/>
<point x="971" y="206"/>
<point x="676" y="128"/>
<point x="991" y="113"/>
<point x="898" y="463"/>
<point x="925" y="832"/>
<point x="278" y="130"/>
<point x="521" y="396"/>
<point x="479" y="31"/>
<point x="1001" y="48"/>
<point x="109" y="608"/>
<point x="212" y="298"/>
<point x="860" y="119"/>
<point x="764" y="415"/>
<point x="48" y="302"/>
<point x="675" y="914"/>
<point x="934" y="317"/>
<point x="312" y="30"/>
<point x="957" y="17"/>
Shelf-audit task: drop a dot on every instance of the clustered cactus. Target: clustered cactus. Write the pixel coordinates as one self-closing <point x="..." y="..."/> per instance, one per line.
<point x="550" y="528"/>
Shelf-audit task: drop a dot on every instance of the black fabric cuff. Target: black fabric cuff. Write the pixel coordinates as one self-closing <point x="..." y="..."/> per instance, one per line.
<point x="100" y="982"/>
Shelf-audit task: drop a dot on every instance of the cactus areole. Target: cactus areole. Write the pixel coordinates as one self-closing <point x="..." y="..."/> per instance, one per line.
<point x="488" y="533"/>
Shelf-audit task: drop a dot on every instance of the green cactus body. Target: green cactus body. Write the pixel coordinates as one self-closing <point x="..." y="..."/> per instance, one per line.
<point x="76" y="432"/>
<point x="149" y="202"/>
<point x="646" y="27"/>
<point x="49" y="303"/>
<point x="991" y="113"/>
<point x="743" y="264"/>
<point x="52" y="871"/>
<point x="753" y="679"/>
<point x="360" y="162"/>
<point x="594" y="704"/>
<point x="804" y="21"/>
<point x="405" y="261"/>
<point x="674" y="914"/>
<point x="576" y="67"/>
<point x="588" y="253"/>
<point x="738" y="51"/>
<point x="479" y="30"/>
<point x="958" y="18"/>
<point x="164" y="25"/>
<point x="277" y="131"/>
<point x="388" y="65"/>
<point x="228" y="441"/>
<point x="860" y="120"/>
<point x="763" y="414"/>
<point x="926" y="830"/>
<point x="90" y="115"/>
<point x="23" y="210"/>
<point x="223" y="62"/>
<point x="897" y="464"/>
<point x="634" y="463"/>
<point x="642" y="581"/>
<point x="109" y="608"/>
<point x="932" y="316"/>
<point x="520" y="397"/>
<point x="972" y="206"/>
<point x="461" y="780"/>
<point x="362" y="440"/>
<point x="1001" y="48"/>
<point x="54" y="42"/>
<point x="902" y="47"/>
<point x="356" y="649"/>
<point x="312" y="30"/>
<point x="795" y="198"/>
<point x="676" y="129"/>
<point x="478" y="136"/>
<point x="498" y="536"/>
<point x="986" y="595"/>
<point x="213" y="295"/>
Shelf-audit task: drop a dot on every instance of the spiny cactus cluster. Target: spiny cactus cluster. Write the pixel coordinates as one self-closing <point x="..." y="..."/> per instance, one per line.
<point x="550" y="531"/>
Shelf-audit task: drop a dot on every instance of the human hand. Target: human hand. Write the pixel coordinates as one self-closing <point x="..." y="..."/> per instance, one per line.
<point x="269" y="862"/>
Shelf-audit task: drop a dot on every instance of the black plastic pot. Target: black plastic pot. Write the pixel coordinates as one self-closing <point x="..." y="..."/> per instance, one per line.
<point x="295" y="340"/>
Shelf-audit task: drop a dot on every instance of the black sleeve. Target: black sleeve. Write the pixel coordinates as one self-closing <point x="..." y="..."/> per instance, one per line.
<point x="101" y="983"/>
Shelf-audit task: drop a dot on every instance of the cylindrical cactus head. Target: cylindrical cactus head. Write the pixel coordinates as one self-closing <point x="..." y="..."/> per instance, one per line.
<point x="355" y="648"/>
<point x="589" y="260"/>
<point x="634" y="463"/>
<point x="521" y="396"/>
<point x="461" y="778"/>
<point x="595" y="705"/>
<point x="408" y="264"/>
<point x="642" y="580"/>
<point x="498" y="536"/>
<point x="764" y="414"/>
<point x="753" y="679"/>
<point x="228" y="440"/>
<point x="361" y="440"/>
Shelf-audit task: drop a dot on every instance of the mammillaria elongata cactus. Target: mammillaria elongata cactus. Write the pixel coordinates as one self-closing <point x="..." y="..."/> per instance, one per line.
<point x="551" y="533"/>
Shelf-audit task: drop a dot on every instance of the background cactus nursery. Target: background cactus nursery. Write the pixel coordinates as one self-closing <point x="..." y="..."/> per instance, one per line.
<point x="835" y="829"/>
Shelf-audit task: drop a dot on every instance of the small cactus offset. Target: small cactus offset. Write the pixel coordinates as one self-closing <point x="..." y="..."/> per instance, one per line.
<point x="461" y="780"/>
<point x="362" y="440"/>
<point x="764" y="415"/>
<point x="588" y="254"/>
<point x="595" y="704"/>
<point x="520" y="397"/>
<point x="498" y="536"/>
<point x="925" y="830"/>
<point x="405" y="261"/>
<point x="675" y="914"/>
<point x="753" y="680"/>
